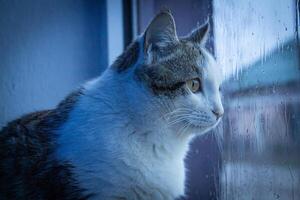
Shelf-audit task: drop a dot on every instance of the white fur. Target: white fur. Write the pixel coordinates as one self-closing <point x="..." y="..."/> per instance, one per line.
<point x="107" y="142"/>
<point x="126" y="143"/>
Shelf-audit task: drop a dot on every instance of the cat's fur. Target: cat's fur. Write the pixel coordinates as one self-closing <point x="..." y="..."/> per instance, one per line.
<point x="121" y="136"/>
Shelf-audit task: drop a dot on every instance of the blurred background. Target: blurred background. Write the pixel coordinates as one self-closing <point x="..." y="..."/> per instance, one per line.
<point x="50" y="47"/>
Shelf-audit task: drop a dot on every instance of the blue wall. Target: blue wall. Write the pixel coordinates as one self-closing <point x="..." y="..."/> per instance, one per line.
<point x="47" y="49"/>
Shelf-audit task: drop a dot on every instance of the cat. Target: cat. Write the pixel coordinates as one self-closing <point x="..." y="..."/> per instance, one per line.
<point x="125" y="134"/>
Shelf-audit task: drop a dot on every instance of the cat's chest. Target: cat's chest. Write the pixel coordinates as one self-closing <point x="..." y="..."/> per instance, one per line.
<point x="154" y="179"/>
<point x="104" y="166"/>
<point x="170" y="175"/>
<point x="158" y="180"/>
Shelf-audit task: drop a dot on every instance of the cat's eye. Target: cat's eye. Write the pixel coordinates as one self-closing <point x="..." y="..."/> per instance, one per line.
<point x="194" y="85"/>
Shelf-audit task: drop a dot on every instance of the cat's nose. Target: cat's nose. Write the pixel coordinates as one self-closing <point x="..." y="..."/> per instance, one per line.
<point x="218" y="113"/>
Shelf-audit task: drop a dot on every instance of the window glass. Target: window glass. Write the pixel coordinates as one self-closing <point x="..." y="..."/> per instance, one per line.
<point x="257" y="46"/>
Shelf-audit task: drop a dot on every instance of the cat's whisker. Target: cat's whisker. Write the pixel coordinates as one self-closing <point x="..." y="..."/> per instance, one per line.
<point x="177" y="120"/>
<point x="173" y="115"/>
<point x="185" y="115"/>
<point x="183" y="130"/>
<point x="178" y="111"/>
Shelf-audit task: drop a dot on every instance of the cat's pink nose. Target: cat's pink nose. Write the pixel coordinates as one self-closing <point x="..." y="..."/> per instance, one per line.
<point x="218" y="113"/>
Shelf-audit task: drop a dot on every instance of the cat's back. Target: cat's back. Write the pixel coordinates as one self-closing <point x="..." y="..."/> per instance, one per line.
<point x="24" y="136"/>
<point x="23" y="144"/>
<point x="28" y="168"/>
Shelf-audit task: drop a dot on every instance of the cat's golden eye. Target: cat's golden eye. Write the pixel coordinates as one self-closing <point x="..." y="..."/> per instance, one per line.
<point x="194" y="85"/>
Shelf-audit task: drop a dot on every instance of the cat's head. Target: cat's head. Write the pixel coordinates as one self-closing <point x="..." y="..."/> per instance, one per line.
<point x="181" y="76"/>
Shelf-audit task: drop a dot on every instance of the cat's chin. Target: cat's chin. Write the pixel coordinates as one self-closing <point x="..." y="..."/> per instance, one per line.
<point x="200" y="131"/>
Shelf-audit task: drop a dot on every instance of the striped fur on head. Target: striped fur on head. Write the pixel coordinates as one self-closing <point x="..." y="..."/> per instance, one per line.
<point x="168" y="61"/>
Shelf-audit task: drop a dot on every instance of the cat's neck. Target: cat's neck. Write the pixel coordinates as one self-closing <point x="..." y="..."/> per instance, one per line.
<point x="105" y="132"/>
<point x="105" y="112"/>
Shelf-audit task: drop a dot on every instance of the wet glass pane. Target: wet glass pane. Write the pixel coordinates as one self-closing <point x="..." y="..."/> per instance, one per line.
<point x="257" y="45"/>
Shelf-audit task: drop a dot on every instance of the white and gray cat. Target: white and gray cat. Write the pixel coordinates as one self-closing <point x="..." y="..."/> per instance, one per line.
<point x="123" y="135"/>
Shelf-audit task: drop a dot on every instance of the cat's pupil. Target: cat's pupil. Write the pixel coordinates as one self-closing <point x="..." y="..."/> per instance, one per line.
<point x="195" y="85"/>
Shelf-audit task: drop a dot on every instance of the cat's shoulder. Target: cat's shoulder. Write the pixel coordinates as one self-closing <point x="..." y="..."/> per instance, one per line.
<point x="41" y="121"/>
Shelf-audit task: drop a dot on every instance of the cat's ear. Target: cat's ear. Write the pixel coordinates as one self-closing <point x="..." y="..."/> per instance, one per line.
<point x="161" y="31"/>
<point x="200" y="34"/>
